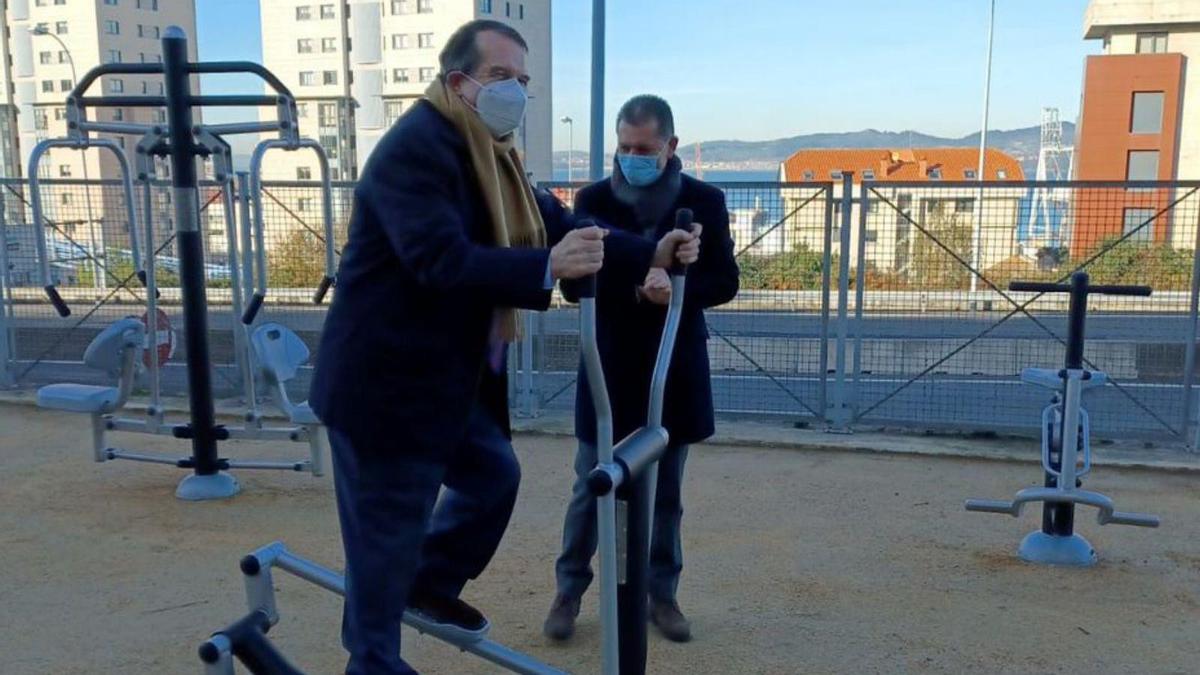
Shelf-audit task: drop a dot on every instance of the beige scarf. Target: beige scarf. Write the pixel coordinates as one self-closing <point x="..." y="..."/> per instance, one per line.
<point x="516" y="220"/>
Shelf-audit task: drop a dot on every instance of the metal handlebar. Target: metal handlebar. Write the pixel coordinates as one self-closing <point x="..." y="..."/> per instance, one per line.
<point x="247" y="640"/>
<point x="1103" y="289"/>
<point x="35" y="197"/>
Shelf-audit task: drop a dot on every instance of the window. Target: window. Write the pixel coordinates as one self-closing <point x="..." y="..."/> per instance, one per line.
<point x="301" y="110"/>
<point x="329" y="77"/>
<point x="40" y="121"/>
<point x="45" y="57"/>
<point x="1151" y="43"/>
<point x="329" y="44"/>
<point x="42" y="27"/>
<point x="401" y="7"/>
<point x="327" y="116"/>
<point x="425" y="40"/>
<point x="303" y="13"/>
<point x="145" y="87"/>
<point x="65" y="85"/>
<point x="969" y="174"/>
<point x="40" y="3"/>
<point x="424" y="6"/>
<point x="427" y="74"/>
<point x="60" y="2"/>
<point x="141" y="31"/>
<point x="60" y="114"/>
<point x="808" y="174"/>
<point x="400" y="75"/>
<point x="142" y="56"/>
<point x="521" y="12"/>
<point x="303" y="173"/>
<point x="64" y="170"/>
<point x="47" y="86"/>
<point x="327" y="12"/>
<point x="1147" y="112"/>
<point x="307" y="78"/>
<point x="302" y="204"/>
<point x="964" y="205"/>
<point x="485" y="6"/>
<point x="111" y="3"/>
<point x="1002" y="174"/>
<point x="112" y="27"/>
<point x="114" y="56"/>
<point x="836" y="174"/>
<point x="935" y="173"/>
<point x="508" y="9"/>
<point x="118" y="114"/>
<point x="868" y="174"/>
<point x="400" y="41"/>
<point x="160" y="115"/>
<point x="60" y="27"/>
<point x="304" y="46"/>
<point x="1143" y="165"/>
<point x="64" y="57"/>
<point x="157" y="33"/>
<point x="1140" y="223"/>
<point x="66" y="199"/>
<point x="392" y="111"/>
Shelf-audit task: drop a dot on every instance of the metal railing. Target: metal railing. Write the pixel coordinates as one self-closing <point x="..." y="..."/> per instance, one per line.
<point x="889" y="334"/>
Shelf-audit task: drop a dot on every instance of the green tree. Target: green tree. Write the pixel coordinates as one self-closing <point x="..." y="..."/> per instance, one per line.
<point x="296" y="262"/>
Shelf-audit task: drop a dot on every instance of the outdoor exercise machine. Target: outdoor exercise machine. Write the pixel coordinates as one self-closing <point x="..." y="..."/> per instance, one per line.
<point x="1066" y="443"/>
<point x="623" y="482"/>
<point x="278" y="351"/>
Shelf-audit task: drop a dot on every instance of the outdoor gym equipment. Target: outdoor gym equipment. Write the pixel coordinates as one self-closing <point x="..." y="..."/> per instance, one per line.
<point x="1066" y="455"/>
<point x="623" y="482"/>
<point x="183" y="143"/>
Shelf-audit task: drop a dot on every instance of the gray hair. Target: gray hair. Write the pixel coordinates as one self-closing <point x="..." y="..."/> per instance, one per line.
<point x="461" y="52"/>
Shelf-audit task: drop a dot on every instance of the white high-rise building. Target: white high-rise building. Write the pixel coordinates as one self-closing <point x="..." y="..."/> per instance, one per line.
<point x="356" y="66"/>
<point x="36" y="72"/>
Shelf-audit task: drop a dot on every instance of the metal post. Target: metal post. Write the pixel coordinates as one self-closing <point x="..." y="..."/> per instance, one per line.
<point x="1189" y="365"/>
<point x="6" y="341"/>
<point x="826" y="263"/>
<point x="860" y="279"/>
<point x="203" y="431"/>
<point x="1058" y="519"/>
<point x="977" y="237"/>
<point x="246" y="291"/>
<point x="840" y="417"/>
<point x="527" y="394"/>
<point x="596" y="156"/>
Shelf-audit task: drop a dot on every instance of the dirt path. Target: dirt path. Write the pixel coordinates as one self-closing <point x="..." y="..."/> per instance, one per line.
<point x="796" y="562"/>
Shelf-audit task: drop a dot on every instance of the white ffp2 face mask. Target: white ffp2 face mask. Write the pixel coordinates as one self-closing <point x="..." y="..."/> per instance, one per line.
<point x="501" y="105"/>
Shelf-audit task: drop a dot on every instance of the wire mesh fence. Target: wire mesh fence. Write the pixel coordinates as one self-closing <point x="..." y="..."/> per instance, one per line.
<point x="927" y="334"/>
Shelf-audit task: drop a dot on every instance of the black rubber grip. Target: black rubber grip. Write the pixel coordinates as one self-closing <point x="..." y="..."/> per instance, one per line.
<point x="683" y="221"/>
<point x="599" y="483"/>
<point x="1038" y="287"/>
<point x="584" y="287"/>
<point x="322" y="289"/>
<point x="249" y="644"/>
<point x="256" y="302"/>
<point x="55" y="299"/>
<point x="1140" y="291"/>
<point x="250" y="565"/>
<point x="141" y="275"/>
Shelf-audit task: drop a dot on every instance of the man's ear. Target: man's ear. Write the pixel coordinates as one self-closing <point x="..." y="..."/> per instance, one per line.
<point x="454" y="81"/>
<point x="674" y="143"/>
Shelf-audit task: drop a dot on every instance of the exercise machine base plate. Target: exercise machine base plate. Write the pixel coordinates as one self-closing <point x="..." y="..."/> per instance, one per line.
<point x="196" y="488"/>
<point x="1047" y="549"/>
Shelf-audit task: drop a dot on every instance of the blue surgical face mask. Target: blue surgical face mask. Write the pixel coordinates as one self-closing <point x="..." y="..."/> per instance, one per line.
<point x="501" y="105"/>
<point x="640" y="170"/>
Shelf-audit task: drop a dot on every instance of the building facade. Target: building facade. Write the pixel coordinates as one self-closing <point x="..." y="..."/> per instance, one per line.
<point x="357" y="66"/>
<point x="892" y="239"/>
<point x="1140" y="117"/>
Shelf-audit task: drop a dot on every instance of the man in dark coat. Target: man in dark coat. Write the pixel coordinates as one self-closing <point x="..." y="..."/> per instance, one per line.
<point x="446" y="237"/>
<point x="646" y="189"/>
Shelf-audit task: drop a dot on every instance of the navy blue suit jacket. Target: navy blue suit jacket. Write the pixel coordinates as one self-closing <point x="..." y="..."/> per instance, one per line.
<point x="629" y="331"/>
<point x="402" y="354"/>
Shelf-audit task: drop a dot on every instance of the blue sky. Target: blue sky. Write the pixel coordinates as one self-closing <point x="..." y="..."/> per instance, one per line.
<point x="762" y="69"/>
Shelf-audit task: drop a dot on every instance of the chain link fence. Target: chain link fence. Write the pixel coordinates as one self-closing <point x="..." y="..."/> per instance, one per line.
<point x="861" y="305"/>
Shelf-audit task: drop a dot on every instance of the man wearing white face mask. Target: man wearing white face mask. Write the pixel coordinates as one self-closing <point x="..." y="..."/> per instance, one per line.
<point x="446" y="240"/>
<point x="646" y="188"/>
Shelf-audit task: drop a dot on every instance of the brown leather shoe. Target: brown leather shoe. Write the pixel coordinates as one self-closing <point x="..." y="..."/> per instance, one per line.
<point x="669" y="620"/>
<point x="560" y="623"/>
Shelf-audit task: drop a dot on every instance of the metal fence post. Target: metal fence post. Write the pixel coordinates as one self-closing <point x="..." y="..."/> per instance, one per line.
<point x="527" y="393"/>
<point x="860" y="278"/>
<point x="839" y="417"/>
<point x="6" y="338"/>
<point x="826" y="274"/>
<point x="1189" y="356"/>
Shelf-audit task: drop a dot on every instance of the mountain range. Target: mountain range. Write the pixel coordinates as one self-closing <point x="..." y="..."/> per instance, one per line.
<point x="1023" y="144"/>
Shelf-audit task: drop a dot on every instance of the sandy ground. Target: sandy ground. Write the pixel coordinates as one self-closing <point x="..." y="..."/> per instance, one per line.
<point x="796" y="562"/>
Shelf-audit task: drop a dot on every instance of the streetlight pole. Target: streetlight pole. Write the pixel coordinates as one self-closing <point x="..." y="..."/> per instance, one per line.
<point x="596" y="153"/>
<point x="98" y="276"/>
<point x="570" y="147"/>
<point x="977" y="238"/>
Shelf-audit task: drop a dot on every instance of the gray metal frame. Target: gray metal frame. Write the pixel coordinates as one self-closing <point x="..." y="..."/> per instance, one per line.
<point x="260" y="595"/>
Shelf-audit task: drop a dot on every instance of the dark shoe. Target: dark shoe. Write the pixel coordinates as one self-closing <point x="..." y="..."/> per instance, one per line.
<point x="670" y="621"/>
<point x="560" y="623"/>
<point x="447" y="611"/>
